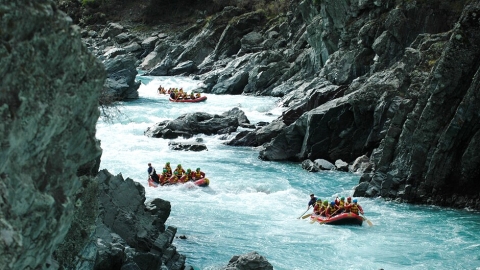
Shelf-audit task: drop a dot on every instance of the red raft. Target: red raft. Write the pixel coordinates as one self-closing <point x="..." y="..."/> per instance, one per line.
<point x="204" y="182"/>
<point x="199" y="99"/>
<point x="340" y="219"/>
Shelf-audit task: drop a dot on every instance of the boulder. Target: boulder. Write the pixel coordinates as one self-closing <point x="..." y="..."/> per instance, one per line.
<point x="249" y="261"/>
<point x="195" y="147"/>
<point x="190" y="124"/>
<point x="121" y="81"/>
<point x="112" y="30"/>
<point x="323" y="164"/>
<point x="310" y="166"/>
<point x="341" y="165"/>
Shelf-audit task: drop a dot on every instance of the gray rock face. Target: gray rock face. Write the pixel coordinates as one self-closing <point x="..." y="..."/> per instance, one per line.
<point x="124" y="231"/>
<point x="48" y="112"/>
<point x="195" y="147"/>
<point x="410" y="110"/>
<point x="434" y="161"/>
<point x="249" y="261"/>
<point x="121" y="77"/>
<point x="190" y="124"/>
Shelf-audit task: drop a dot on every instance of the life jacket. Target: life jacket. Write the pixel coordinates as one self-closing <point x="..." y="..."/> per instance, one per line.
<point x="354" y="208"/>
<point x="173" y="179"/>
<point x="179" y="171"/>
<point x="198" y="175"/>
<point x="317" y="207"/>
<point x="330" y="210"/>
<point x="341" y="204"/>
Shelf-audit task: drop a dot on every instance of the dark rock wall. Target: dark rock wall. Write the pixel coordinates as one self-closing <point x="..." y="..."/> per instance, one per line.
<point x="48" y="108"/>
<point x="410" y="73"/>
<point x="434" y="161"/>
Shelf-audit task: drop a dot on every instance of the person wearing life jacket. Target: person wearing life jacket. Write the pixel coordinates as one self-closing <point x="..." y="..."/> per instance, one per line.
<point x="324" y="207"/>
<point x="197" y="95"/>
<point x="356" y="208"/>
<point x="189" y="175"/>
<point x="341" y="205"/>
<point x="348" y="205"/>
<point x="164" y="177"/>
<point x="198" y="174"/>
<point x="331" y="210"/>
<point x="173" y="179"/>
<point x="317" y="207"/>
<point x="180" y="170"/>
<point x="168" y="168"/>
<point x="152" y="173"/>
<point x="312" y="201"/>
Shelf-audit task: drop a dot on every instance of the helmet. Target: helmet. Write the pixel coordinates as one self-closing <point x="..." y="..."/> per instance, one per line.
<point x="179" y="165"/>
<point x="164" y="170"/>
<point x="354" y="200"/>
<point x="342" y="199"/>
<point x="332" y="203"/>
<point x="168" y="163"/>
<point x="319" y="200"/>
<point x="198" y="169"/>
<point x="325" y="203"/>
<point x="188" y="170"/>
<point x="349" y="198"/>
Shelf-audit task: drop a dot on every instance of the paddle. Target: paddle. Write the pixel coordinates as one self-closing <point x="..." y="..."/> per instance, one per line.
<point x="307" y="215"/>
<point x="304" y="212"/>
<point x="367" y="220"/>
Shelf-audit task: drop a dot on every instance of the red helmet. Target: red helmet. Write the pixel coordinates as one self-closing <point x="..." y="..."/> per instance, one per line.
<point x="349" y="198"/>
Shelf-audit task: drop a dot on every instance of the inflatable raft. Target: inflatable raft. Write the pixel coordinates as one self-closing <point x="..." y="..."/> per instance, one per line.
<point x="340" y="219"/>
<point x="202" y="98"/>
<point x="204" y="182"/>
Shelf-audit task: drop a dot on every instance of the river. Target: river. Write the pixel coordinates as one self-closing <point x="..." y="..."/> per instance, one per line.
<point x="254" y="205"/>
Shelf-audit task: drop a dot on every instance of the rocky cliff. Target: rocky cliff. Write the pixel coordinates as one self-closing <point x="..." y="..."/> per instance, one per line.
<point x="393" y="80"/>
<point x="48" y="108"/>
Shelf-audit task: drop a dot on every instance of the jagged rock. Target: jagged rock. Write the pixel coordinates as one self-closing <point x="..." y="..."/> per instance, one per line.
<point x="160" y="208"/>
<point x="323" y="164"/>
<point x="128" y="232"/>
<point x="233" y="85"/>
<point x="149" y="43"/>
<point x="361" y="165"/>
<point x="133" y="47"/>
<point x="184" y="67"/>
<point x="123" y="38"/>
<point x="121" y="77"/>
<point x="114" y="52"/>
<point x="195" y="147"/>
<point x="249" y="261"/>
<point x="310" y="166"/>
<point x="189" y="124"/>
<point x="263" y="134"/>
<point x="49" y="96"/>
<point x="341" y="165"/>
<point x="112" y="30"/>
<point x="251" y="42"/>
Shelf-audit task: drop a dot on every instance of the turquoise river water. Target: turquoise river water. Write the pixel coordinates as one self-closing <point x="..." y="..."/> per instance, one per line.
<point x="254" y="205"/>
